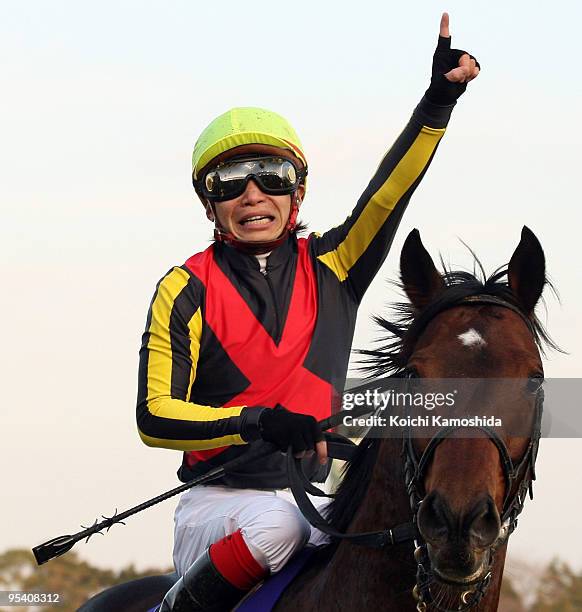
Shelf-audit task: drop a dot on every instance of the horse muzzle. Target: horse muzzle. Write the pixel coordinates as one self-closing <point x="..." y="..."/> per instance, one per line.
<point x="459" y="544"/>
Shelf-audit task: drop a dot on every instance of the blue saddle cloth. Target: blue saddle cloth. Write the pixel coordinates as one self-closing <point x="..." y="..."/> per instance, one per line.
<point x="265" y="598"/>
<point x="267" y="595"/>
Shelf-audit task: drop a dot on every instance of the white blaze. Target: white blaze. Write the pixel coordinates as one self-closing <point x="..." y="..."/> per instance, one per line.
<point x="472" y="338"/>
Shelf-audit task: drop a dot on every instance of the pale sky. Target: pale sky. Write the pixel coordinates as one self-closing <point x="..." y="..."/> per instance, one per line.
<point x="100" y="107"/>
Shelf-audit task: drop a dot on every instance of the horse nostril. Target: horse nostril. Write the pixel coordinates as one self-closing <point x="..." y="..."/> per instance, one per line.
<point x="484" y="523"/>
<point x="433" y="518"/>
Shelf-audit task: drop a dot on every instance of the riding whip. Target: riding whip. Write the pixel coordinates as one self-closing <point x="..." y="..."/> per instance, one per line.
<point x="61" y="544"/>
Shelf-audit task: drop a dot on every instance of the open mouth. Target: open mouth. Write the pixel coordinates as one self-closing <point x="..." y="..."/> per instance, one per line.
<point x="256" y="220"/>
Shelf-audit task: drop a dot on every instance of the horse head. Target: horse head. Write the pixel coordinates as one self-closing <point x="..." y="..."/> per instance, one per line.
<point x="471" y="487"/>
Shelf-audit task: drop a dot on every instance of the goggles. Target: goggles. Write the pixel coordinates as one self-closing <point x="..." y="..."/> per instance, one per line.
<point x="273" y="175"/>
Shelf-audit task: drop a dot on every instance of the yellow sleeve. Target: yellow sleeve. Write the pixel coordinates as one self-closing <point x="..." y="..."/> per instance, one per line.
<point x="168" y="359"/>
<point x="355" y="250"/>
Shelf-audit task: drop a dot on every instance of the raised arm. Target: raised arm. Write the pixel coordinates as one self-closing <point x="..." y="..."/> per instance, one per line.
<point x="356" y="249"/>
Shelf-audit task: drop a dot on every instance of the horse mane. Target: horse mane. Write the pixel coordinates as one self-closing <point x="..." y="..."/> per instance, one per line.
<point x="391" y="358"/>
<point x="409" y="323"/>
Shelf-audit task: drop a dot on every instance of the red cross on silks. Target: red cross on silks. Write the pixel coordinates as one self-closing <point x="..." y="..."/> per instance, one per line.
<point x="275" y="371"/>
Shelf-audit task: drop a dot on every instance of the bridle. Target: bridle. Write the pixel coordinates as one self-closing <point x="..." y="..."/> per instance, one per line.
<point x="518" y="477"/>
<point x="516" y="490"/>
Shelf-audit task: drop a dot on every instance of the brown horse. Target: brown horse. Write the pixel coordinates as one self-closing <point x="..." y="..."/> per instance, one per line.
<point x="462" y="494"/>
<point x="471" y="488"/>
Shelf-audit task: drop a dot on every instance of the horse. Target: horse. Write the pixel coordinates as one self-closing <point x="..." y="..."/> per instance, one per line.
<point x="464" y="494"/>
<point x="461" y="495"/>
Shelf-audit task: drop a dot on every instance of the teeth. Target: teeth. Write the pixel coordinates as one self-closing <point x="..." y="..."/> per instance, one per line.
<point x="256" y="220"/>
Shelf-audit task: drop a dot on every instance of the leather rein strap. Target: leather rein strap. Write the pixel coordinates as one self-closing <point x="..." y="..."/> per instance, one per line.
<point x="339" y="447"/>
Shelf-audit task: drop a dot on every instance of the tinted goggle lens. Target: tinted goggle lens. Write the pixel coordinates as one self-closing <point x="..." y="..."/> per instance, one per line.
<point x="274" y="175"/>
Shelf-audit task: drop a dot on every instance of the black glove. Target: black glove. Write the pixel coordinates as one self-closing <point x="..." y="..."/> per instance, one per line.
<point x="284" y="429"/>
<point x="442" y="91"/>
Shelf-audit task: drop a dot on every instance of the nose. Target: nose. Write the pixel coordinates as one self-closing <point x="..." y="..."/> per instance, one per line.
<point x="252" y="193"/>
<point x="479" y="526"/>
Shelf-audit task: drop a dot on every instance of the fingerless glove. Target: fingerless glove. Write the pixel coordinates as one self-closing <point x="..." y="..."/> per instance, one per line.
<point x="442" y="91"/>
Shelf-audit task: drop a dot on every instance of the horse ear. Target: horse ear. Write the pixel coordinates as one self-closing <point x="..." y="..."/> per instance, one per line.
<point x="420" y="278"/>
<point x="526" y="272"/>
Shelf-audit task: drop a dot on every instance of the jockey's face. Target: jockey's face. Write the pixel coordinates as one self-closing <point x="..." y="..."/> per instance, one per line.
<point x="254" y="216"/>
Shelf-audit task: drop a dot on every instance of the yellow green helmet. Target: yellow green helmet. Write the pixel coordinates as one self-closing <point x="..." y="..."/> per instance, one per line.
<point x="244" y="126"/>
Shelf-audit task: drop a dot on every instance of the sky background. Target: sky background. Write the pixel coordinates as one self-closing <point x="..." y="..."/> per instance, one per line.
<point x="100" y="107"/>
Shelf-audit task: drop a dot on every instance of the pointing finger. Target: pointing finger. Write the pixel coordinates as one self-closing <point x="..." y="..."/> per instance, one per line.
<point x="444" y="31"/>
<point x="444" y="43"/>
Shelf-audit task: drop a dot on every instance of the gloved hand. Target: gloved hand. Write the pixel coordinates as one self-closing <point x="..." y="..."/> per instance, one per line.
<point x="300" y="431"/>
<point x="452" y="69"/>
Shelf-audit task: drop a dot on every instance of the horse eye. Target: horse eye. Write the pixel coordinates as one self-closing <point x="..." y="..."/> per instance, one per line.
<point x="535" y="383"/>
<point x="411" y="373"/>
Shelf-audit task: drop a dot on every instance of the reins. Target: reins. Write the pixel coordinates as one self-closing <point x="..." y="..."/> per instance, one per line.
<point x="374" y="539"/>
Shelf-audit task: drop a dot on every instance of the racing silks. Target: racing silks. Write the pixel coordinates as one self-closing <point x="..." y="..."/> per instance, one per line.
<point x="222" y="338"/>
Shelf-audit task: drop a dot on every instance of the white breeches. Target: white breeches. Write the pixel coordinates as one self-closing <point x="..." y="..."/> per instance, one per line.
<point x="272" y="526"/>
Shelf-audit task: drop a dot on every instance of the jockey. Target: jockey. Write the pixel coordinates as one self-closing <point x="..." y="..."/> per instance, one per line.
<point x="250" y="339"/>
